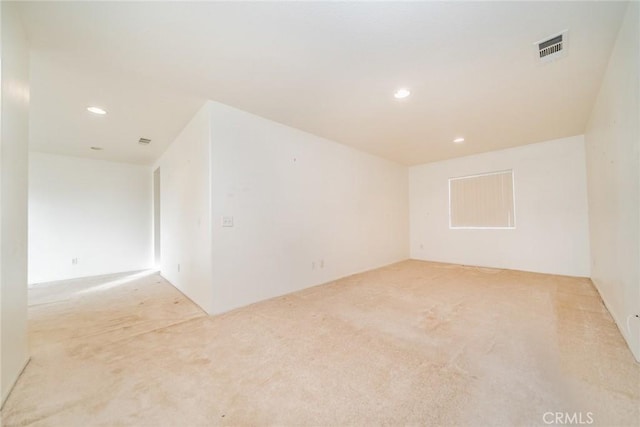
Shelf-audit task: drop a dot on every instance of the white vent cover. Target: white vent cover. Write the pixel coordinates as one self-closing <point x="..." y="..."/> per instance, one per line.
<point x="552" y="47"/>
<point x="144" y="141"/>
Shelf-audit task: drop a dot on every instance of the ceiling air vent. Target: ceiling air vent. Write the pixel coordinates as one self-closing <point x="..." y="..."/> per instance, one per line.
<point x="144" y="141"/>
<point x="553" y="47"/>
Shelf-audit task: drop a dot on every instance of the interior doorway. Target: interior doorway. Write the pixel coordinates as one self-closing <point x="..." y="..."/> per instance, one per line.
<point x="156" y="218"/>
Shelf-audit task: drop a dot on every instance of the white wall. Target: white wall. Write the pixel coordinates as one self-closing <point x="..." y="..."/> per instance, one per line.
<point x="95" y="211"/>
<point x="13" y="198"/>
<point x="551" y="234"/>
<point x="613" y="166"/>
<point x="185" y="182"/>
<point x="306" y="210"/>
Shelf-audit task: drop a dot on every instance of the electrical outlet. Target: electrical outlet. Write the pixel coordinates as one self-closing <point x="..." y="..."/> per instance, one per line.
<point x="227" y="221"/>
<point x="178" y="268"/>
<point x="313" y="265"/>
<point x="74" y="261"/>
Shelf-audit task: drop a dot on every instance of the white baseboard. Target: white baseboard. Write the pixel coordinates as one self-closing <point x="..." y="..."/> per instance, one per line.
<point x="620" y="323"/>
<point x="7" y="392"/>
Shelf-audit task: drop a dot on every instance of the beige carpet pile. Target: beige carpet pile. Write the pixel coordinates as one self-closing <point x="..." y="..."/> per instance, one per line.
<point x="415" y="343"/>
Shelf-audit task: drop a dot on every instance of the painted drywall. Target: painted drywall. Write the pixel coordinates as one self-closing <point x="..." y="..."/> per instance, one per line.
<point x="14" y="128"/>
<point x="551" y="234"/>
<point x="96" y="212"/>
<point x="185" y="213"/>
<point x="613" y="167"/>
<point x="305" y="210"/>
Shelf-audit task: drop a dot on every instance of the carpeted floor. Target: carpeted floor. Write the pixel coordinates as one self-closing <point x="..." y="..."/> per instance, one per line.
<point x="414" y="343"/>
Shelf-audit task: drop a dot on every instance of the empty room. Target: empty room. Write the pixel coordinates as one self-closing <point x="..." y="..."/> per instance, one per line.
<point x="320" y="213"/>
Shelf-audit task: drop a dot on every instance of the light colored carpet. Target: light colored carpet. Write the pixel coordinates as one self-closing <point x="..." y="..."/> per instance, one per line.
<point x="414" y="343"/>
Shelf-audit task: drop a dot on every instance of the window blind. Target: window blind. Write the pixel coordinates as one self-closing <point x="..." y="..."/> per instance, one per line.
<point x="482" y="201"/>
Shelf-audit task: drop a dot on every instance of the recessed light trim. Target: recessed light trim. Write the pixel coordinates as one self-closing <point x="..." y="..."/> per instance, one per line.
<point x="97" y="110"/>
<point x="458" y="140"/>
<point x="97" y="148"/>
<point x="401" y="93"/>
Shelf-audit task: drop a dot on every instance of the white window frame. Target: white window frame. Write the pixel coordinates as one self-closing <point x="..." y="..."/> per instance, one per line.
<point x="513" y="190"/>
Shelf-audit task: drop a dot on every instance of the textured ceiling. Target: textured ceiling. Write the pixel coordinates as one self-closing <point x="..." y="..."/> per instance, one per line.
<point x="328" y="68"/>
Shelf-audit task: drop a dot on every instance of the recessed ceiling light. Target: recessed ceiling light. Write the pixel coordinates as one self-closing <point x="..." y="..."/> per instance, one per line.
<point x="401" y="93"/>
<point x="97" y="110"/>
<point x="458" y="140"/>
<point x="97" y="148"/>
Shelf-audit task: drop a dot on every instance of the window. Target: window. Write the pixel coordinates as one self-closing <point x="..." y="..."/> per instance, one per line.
<point x="482" y="201"/>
